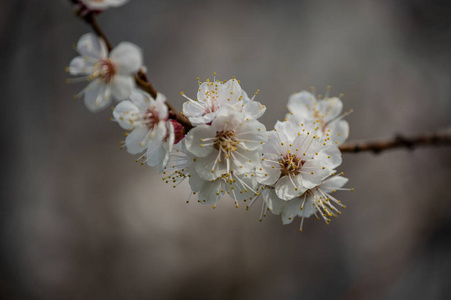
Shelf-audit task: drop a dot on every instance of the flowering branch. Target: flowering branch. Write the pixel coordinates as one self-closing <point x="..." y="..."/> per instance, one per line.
<point x="293" y="167"/>
<point x="437" y="138"/>
<point x="140" y="78"/>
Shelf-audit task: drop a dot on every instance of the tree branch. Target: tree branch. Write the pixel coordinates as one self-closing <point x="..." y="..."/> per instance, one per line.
<point x="441" y="137"/>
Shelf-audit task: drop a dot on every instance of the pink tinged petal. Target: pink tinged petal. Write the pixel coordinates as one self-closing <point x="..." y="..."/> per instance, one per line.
<point x="91" y="46"/>
<point x="127" y="58"/>
<point x="196" y="140"/>
<point x="253" y="110"/>
<point x="339" y="132"/>
<point x="123" y="112"/>
<point x="291" y="209"/>
<point x="332" y="183"/>
<point x="331" y="156"/>
<point x="312" y="172"/>
<point x="270" y="172"/>
<point x="274" y="203"/>
<point x="121" y="87"/>
<point x="288" y="187"/>
<point x="95" y="99"/>
<point x="301" y="105"/>
<point x="137" y="140"/>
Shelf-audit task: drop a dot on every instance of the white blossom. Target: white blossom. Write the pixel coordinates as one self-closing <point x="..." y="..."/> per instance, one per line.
<point x="317" y="201"/>
<point x="110" y="75"/>
<point x="147" y="120"/>
<point x="212" y="96"/>
<point x="295" y="160"/>
<point x="232" y="143"/>
<point x="181" y="167"/>
<point x="325" y="113"/>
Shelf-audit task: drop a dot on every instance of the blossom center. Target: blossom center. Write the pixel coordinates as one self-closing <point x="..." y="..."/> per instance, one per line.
<point x="105" y="70"/>
<point x="151" y="117"/>
<point x="290" y="164"/>
<point x="226" y="141"/>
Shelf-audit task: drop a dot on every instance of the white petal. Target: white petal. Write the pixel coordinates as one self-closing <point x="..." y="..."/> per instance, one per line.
<point x="291" y="209"/>
<point x="95" y="98"/>
<point x="331" y="156"/>
<point x="330" y="108"/>
<point x="121" y="87"/>
<point x="308" y="208"/>
<point x="123" y="112"/>
<point x="301" y="105"/>
<point x="127" y="58"/>
<point x="333" y="183"/>
<point x="195" y="140"/>
<point x="270" y="172"/>
<point x="339" y="131"/>
<point x="274" y="203"/>
<point x="91" y="46"/>
<point x="141" y="99"/>
<point x="286" y="190"/>
<point x="286" y="131"/>
<point x="312" y="172"/>
<point x="136" y="140"/>
<point x="78" y="66"/>
<point x="210" y="192"/>
<point x="254" y="110"/>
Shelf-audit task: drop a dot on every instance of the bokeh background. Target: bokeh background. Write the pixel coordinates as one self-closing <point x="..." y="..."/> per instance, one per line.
<point x="80" y="220"/>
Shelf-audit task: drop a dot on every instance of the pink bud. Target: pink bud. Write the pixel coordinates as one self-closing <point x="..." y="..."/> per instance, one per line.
<point x="179" y="131"/>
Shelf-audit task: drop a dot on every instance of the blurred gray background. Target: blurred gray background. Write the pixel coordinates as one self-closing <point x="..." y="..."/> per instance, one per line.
<point x="81" y="220"/>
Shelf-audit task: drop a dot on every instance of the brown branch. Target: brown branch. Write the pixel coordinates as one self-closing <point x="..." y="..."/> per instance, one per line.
<point x="441" y="137"/>
<point x="92" y="21"/>
<point x="140" y="77"/>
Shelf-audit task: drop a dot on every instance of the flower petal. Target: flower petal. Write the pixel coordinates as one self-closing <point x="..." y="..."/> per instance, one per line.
<point x="136" y="140"/>
<point x="195" y="140"/>
<point x="92" y="46"/>
<point x="127" y="58"/>
<point x="288" y="188"/>
<point x="95" y="97"/>
<point x="121" y="87"/>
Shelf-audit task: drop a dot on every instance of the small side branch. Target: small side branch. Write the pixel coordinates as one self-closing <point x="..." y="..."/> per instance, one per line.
<point x="438" y="138"/>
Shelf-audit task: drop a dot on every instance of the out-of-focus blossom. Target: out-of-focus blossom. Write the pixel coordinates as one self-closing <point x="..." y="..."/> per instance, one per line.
<point x="324" y="113"/>
<point x="110" y="75"/>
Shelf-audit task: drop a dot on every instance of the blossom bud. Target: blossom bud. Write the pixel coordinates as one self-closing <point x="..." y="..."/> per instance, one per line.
<point x="179" y="131"/>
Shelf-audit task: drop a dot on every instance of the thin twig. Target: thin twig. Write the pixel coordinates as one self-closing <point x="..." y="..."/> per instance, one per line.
<point x="140" y="78"/>
<point x="441" y="137"/>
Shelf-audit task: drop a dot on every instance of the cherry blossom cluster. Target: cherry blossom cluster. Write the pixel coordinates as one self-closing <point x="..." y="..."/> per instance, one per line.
<point x="227" y="152"/>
